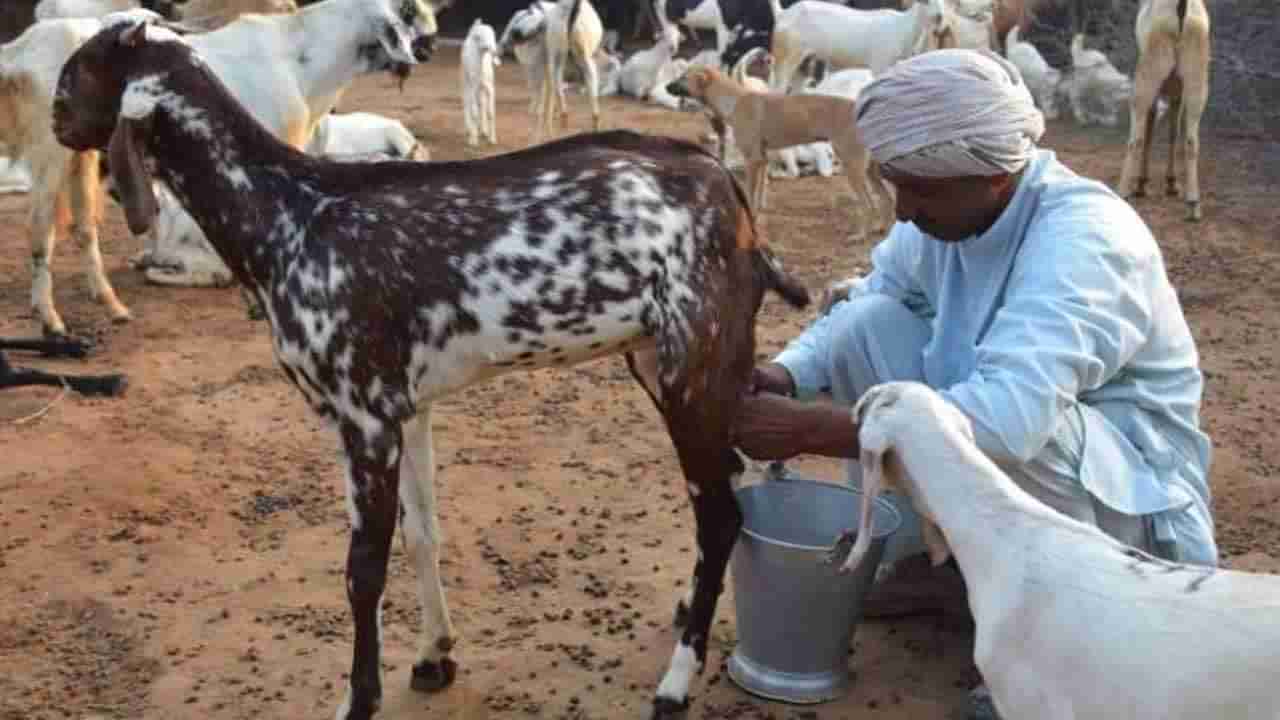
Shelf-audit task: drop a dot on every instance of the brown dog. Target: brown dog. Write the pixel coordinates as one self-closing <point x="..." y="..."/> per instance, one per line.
<point x="764" y="121"/>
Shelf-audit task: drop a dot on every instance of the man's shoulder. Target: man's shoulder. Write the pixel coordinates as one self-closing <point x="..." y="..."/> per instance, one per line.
<point x="1071" y="206"/>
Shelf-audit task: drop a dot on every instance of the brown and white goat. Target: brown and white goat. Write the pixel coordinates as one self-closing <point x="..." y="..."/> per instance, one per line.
<point x="1173" y="62"/>
<point x="389" y="285"/>
<point x="65" y="192"/>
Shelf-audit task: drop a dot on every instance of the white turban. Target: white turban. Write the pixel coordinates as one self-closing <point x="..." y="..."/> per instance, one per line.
<point x="950" y="113"/>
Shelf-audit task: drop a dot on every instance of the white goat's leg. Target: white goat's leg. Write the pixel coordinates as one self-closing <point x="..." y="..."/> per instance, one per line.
<point x="1152" y="70"/>
<point x="589" y="70"/>
<point x="1193" y="104"/>
<point x="490" y="114"/>
<point x="44" y="210"/>
<point x="1176" y="130"/>
<point x="562" y="102"/>
<point x="433" y="668"/>
<point x="84" y="193"/>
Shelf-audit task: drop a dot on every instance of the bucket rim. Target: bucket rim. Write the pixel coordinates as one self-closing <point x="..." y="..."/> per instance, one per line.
<point x="878" y="533"/>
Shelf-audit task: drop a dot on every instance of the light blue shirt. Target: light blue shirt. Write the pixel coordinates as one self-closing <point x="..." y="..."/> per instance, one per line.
<point x="1062" y="306"/>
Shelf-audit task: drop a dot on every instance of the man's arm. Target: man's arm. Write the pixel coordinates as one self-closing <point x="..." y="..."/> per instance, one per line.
<point x="774" y="427"/>
<point x="1074" y="315"/>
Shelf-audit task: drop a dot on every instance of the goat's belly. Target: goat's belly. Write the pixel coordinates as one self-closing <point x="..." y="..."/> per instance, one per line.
<point x="500" y="348"/>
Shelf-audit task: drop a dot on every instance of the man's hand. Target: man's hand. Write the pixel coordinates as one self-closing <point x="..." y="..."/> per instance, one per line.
<point x="773" y="427"/>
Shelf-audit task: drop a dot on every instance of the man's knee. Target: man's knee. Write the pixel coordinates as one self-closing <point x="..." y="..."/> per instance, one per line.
<point x="874" y="339"/>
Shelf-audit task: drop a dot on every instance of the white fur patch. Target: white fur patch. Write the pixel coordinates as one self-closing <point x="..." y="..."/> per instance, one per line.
<point x="141" y="97"/>
<point x="684" y="665"/>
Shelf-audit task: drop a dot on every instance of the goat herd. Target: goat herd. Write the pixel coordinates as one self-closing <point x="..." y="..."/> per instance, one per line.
<point x="223" y="152"/>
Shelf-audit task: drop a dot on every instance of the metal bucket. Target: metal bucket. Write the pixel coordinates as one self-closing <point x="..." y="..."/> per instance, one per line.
<point x="795" y="613"/>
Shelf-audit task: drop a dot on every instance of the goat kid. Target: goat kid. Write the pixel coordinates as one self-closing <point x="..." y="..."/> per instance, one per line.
<point x="1041" y="79"/>
<point x="764" y="121"/>
<point x="1070" y="623"/>
<point x="594" y="245"/>
<point x="850" y="38"/>
<point x="479" y="98"/>
<point x="1098" y="92"/>
<point x="1173" y="64"/>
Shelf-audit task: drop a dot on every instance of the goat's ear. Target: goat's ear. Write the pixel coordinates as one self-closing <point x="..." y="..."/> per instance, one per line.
<point x="939" y="551"/>
<point x="133" y="182"/>
<point x="135" y="35"/>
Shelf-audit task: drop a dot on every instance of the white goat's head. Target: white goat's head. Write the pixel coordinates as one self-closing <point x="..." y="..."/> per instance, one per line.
<point x="885" y="414"/>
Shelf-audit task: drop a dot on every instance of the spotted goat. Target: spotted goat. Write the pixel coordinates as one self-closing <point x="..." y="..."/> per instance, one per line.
<point x="389" y="285"/>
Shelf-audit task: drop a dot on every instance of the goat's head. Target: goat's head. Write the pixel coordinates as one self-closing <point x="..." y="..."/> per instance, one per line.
<point x="524" y="25"/>
<point x="884" y="414"/>
<point x="105" y="99"/>
<point x="406" y="33"/>
<point x="167" y="9"/>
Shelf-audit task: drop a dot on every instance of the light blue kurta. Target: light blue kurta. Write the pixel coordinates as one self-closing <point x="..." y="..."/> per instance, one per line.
<point x="1062" y="306"/>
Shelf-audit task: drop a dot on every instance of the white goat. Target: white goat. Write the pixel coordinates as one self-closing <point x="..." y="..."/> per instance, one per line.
<point x="55" y="9"/>
<point x="964" y="31"/>
<point x="523" y="37"/>
<point x="1041" y="79"/>
<point x="362" y="133"/>
<point x="206" y="15"/>
<point x="1173" y="62"/>
<point x="1070" y="623"/>
<point x="572" y="30"/>
<point x="846" y="37"/>
<point x="1098" y="92"/>
<point x="256" y="56"/>
<point x="64" y="185"/>
<point x="646" y="74"/>
<point x="479" y="98"/>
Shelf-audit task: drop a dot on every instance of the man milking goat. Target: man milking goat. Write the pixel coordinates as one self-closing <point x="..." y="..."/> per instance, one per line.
<point x="1033" y="299"/>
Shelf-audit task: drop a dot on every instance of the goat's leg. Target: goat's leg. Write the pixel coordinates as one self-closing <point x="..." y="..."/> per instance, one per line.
<point x="44" y="210"/>
<point x="372" y="465"/>
<point x="710" y="483"/>
<point x="562" y="104"/>
<point x="1150" y="75"/>
<point x="593" y="89"/>
<point x="85" y="198"/>
<point x="1193" y="104"/>
<point x="434" y="669"/>
<point x="1176" y="129"/>
<point x="1144" y="175"/>
<point x="491" y="114"/>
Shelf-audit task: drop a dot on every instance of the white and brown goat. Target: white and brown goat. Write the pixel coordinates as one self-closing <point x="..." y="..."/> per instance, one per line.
<point x="389" y="285"/>
<point x="1173" y="63"/>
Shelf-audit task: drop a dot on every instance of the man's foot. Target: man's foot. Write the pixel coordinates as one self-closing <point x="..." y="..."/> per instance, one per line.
<point x="915" y="587"/>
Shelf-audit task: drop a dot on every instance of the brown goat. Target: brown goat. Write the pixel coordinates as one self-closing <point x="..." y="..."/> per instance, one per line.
<point x="391" y="285"/>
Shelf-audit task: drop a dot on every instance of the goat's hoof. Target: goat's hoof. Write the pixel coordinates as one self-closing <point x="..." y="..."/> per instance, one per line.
<point x="121" y="318"/>
<point x="1172" y="189"/>
<point x="361" y="709"/>
<point x="682" y="615"/>
<point x="669" y="709"/>
<point x="433" y="676"/>
<point x="1193" y="211"/>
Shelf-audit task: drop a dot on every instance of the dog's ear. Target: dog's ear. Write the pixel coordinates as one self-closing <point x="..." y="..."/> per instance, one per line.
<point x="129" y="169"/>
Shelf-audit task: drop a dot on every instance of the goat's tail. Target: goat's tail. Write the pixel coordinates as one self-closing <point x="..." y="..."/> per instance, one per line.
<point x="767" y="265"/>
<point x="573" y="14"/>
<point x="1182" y="14"/>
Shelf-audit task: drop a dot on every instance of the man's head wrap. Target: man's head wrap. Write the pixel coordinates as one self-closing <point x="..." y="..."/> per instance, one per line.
<point x="950" y="113"/>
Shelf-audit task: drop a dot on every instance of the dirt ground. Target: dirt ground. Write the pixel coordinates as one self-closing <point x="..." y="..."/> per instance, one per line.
<point x="178" y="552"/>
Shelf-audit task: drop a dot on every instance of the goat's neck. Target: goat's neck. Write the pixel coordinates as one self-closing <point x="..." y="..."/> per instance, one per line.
<point x="979" y="508"/>
<point x="328" y="42"/>
<point x="232" y="175"/>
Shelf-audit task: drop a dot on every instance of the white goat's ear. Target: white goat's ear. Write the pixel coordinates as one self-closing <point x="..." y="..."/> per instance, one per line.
<point x="939" y="551"/>
<point x="133" y="181"/>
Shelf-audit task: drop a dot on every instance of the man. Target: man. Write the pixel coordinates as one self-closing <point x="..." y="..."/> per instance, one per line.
<point x="1033" y="299"/>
